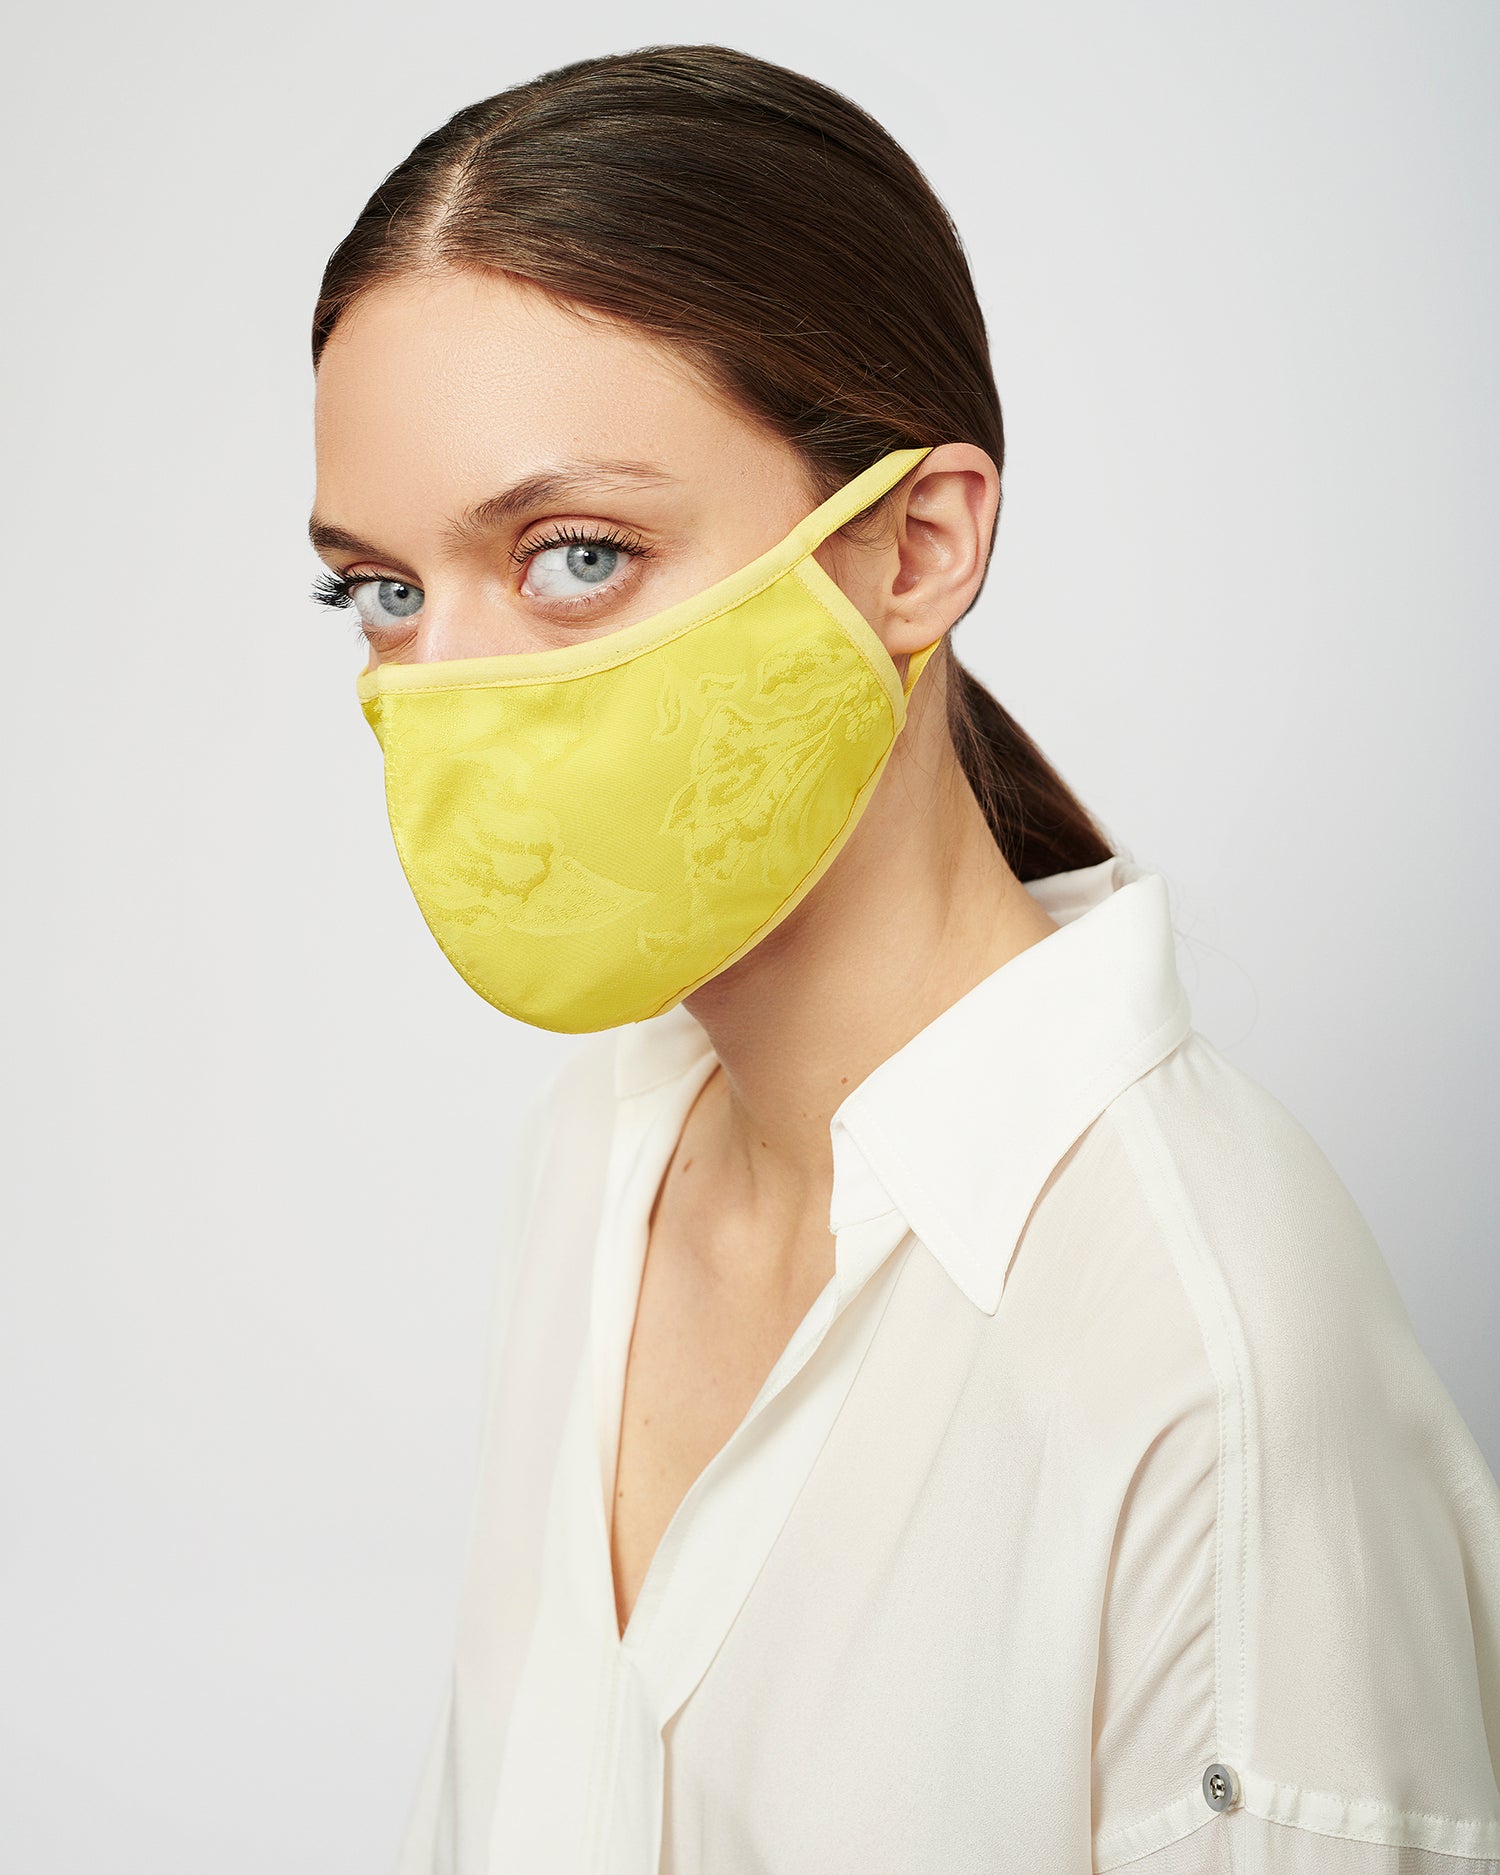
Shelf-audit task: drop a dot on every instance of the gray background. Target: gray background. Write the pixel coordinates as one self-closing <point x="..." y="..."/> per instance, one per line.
<point x="1240" y="266"/>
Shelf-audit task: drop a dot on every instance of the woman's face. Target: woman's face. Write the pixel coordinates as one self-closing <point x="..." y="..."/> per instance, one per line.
<point x="498" y="473"/>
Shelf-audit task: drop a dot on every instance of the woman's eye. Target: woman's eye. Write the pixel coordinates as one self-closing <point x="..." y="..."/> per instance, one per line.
<point x="574" y="570"/>
<point x="382" y="602"/>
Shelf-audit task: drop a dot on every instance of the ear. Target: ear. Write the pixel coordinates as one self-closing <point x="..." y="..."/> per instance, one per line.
<point x="943" y="519"/>
<point x="926" y="567"/>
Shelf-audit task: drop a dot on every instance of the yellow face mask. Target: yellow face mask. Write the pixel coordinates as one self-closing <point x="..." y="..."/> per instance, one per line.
<point x="594" y="831"/>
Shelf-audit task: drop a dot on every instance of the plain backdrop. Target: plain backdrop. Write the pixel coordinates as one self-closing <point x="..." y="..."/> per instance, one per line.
<point x="1241" y="270"/>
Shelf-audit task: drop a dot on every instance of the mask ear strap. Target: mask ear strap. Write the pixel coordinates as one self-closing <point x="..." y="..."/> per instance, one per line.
<point x="855" y="496"/>
<point x="852" y="499"/>
<point x="915" y="664"/>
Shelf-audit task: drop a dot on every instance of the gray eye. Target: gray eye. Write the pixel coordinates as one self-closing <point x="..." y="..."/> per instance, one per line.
<point x="383" y="601"/>
<point x="592" y="564"/>
<point x="557" y="572"/>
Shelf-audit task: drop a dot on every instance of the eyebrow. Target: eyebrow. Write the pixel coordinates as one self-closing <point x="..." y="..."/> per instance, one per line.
<point x="544" y="489"/>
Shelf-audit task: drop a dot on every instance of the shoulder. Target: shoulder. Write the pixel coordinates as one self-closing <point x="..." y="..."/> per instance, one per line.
<point x="1306" y="1573"/>
<point x="1291" y="1296"/>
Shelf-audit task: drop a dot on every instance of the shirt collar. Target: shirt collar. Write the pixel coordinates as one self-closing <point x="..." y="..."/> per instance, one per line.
<point x="960" y="1128"/>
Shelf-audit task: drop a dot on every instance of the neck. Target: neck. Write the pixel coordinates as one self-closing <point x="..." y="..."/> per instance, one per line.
<point x="918" y="908"/>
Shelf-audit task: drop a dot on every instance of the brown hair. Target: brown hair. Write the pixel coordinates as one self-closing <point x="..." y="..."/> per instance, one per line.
<point x="785" y="244"/>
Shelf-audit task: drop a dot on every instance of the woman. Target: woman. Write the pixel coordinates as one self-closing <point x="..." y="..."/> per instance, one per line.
<point x="944" y="1417"/>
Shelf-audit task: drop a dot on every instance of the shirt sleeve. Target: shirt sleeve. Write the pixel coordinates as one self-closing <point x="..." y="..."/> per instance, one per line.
<point x="1304" y="1593"/>
<point x="1154" y="1700"/>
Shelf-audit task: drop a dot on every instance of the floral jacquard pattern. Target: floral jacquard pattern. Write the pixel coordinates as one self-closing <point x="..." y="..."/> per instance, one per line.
<point x="755" y="762"/>
<point x="506" y="864"/>
<point x="642" y="823"/>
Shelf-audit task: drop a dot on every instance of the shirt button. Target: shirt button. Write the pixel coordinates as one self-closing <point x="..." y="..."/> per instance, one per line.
<point x="1220" y="1786"/>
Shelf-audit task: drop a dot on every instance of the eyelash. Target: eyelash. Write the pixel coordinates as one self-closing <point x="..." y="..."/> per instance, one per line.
<point x="334" y="589"/>
<point x="337" y="589"/>
<point x="623" y="542"/>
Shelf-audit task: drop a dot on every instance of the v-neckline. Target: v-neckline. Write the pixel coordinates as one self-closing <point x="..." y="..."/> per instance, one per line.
<point x="619" y="1274"/>
<point x="641" y="1154"/>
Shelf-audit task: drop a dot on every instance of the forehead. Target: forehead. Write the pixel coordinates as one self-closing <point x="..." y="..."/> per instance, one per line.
<point x="443" y="371"/>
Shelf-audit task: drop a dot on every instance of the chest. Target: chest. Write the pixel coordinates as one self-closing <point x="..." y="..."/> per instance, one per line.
<point x="700" y="1351"/>
<point x="908" y="1684"/>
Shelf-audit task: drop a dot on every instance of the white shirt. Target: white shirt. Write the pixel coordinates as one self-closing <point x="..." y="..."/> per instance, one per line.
<point x="1107" y="1457"/>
